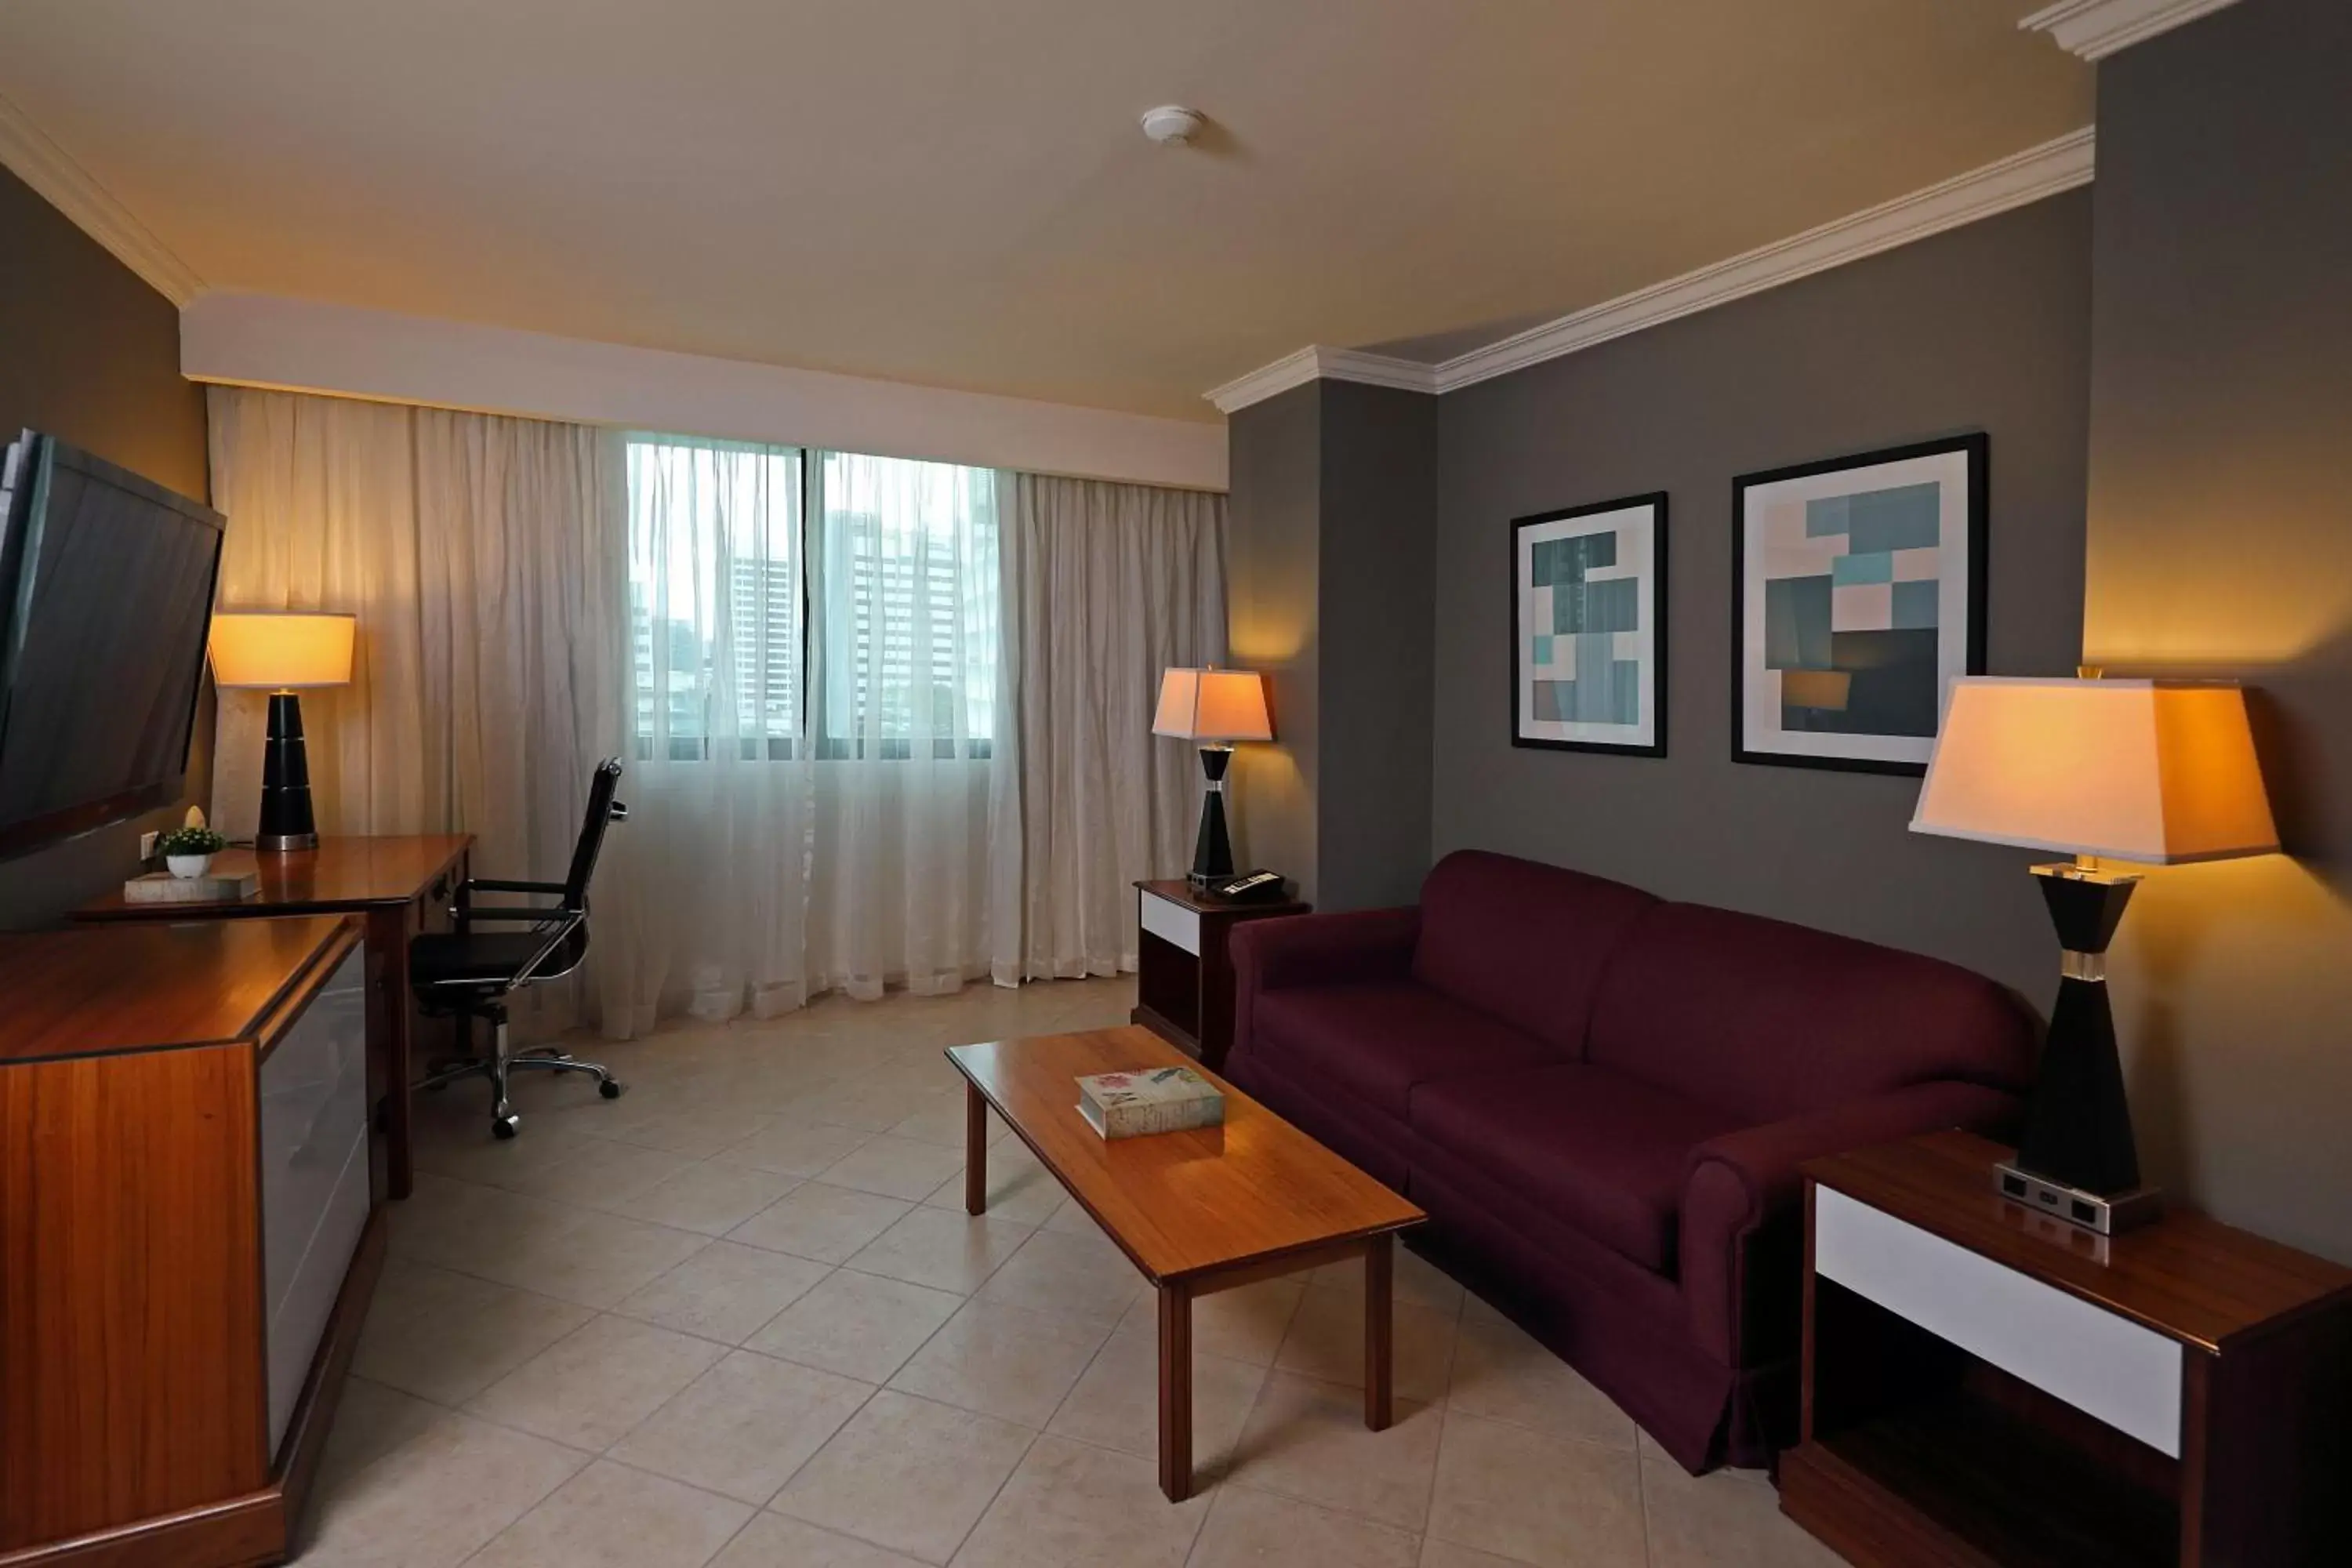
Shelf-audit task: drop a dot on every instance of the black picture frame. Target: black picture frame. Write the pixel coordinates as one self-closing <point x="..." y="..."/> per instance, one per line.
<point x="1976" y="447"/>
<point x="1656" y="501"/>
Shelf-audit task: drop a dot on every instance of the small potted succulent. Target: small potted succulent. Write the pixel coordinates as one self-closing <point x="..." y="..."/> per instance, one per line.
<point x="188" y="850"/>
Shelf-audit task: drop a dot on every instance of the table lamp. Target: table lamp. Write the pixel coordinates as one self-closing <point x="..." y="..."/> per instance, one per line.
<point x="2158" y="772"/>
<point x="283" y="653"/>
<point x="1216" y="708"/>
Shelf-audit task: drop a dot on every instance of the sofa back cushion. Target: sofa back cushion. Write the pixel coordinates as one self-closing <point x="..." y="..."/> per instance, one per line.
<point x="1769" y="1020"/>
<point x="1524" y="941"/>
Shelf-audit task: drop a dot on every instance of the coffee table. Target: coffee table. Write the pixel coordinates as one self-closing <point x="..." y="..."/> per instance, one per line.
<point x="1198" y="1210"/>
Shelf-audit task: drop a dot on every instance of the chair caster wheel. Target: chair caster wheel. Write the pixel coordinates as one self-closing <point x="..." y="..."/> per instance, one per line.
<point x="611" y="1088"/>
<point x="505" y="1126"/>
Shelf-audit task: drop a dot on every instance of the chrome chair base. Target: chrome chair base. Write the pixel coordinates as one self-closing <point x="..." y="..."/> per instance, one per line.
<point x="504" y="1118"/>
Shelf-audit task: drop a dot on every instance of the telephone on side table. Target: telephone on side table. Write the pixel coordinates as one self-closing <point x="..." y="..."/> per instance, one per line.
<point x="1246" y="888"/>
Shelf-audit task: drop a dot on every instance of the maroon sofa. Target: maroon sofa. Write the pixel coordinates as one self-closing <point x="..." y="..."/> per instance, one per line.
<point x="1601" y="1099"/>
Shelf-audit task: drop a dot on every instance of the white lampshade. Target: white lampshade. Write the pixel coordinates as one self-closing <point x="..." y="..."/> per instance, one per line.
<point x="2154" y="771"/>
<point x="282" y="651"/>
<point x="1212" y="705"/>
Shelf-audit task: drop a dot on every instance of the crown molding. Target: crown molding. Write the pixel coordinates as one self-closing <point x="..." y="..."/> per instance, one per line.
<point x="66" y="186"/>
<point x="1317" y="363"/>
<point x="2022" y="177"/>
<point x="2028" y="177"/>
<point x="2097" y="28"/>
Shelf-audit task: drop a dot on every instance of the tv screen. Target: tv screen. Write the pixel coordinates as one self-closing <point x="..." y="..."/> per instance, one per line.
<point x="106" y="593"/>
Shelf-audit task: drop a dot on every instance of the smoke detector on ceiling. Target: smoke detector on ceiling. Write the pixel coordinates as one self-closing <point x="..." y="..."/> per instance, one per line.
<point x="1171" y="125"/>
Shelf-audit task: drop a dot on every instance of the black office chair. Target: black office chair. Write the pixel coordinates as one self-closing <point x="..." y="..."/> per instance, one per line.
<point x="470" y="973"/>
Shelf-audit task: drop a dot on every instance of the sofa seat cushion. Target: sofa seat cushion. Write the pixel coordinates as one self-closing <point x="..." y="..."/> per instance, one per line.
<point x="1380" y="1038"/>
<point x="1606" y="1153"/>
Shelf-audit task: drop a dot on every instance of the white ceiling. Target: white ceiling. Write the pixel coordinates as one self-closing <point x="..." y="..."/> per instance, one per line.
<point x="955" y="192"/>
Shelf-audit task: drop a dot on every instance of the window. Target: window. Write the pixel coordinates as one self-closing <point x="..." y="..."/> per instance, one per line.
<point x="788" y="603"/>
<point x="909" y="648"/>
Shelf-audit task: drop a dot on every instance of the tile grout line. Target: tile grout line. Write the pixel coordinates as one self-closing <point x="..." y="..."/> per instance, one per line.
<point x="1456" y="1316"/>
<point x="885" y="1383"/>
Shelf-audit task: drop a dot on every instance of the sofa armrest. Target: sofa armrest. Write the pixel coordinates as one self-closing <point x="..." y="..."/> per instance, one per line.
<point x="1313" y="949"/>
<point x="1742" y="1228"/>
<point x="1324" y="949"/>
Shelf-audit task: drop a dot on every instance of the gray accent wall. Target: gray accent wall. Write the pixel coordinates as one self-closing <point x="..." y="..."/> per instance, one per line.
<point x="2164" y="365"/>
<point x="1329" y="593"/>
<point x="1379" y="494"/>
<point x="1272" y="556"/>
<point x="2221" y="543"/>
<point x="90" y="353"/>
<point x="1983" y="328"/>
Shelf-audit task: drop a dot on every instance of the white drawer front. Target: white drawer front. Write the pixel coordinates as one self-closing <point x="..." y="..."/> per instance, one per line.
<point x="2127" y="1376"/>
<point x="314" y="1174"/>
<point x="1171" y="923"/>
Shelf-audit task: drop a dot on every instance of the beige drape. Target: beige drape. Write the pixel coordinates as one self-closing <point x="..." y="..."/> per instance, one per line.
<point x="1105" y="585"/>
<point x="483" y="558"/>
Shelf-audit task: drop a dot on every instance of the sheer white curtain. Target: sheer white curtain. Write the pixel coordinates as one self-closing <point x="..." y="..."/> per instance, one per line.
<point x="482" y="557"/>
<point x="908" y="673"/>
<point x="812" y="718"/>
<point x="705" y="895"/>
<point x="1105" y="585"/>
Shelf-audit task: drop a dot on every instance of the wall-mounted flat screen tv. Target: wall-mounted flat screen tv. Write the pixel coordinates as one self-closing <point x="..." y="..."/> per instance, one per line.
<point x="106" y="594"/>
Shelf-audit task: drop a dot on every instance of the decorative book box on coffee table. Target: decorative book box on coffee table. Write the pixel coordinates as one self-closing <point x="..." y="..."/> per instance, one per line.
<point x="1985" y="1386"/>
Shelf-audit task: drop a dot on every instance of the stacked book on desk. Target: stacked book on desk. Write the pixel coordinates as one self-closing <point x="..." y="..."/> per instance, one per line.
<point x="222" y="887"/>
<point x="1155" y="1100"/>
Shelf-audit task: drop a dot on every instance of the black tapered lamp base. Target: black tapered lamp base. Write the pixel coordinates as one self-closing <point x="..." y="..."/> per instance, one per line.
<point x="1212" y="849"/>
<point x="2078" y="1159"/>
<point x="287" y="823"/>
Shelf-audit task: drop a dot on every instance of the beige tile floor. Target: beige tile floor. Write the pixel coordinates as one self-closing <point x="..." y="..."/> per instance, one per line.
<point x="740" y="1318"/>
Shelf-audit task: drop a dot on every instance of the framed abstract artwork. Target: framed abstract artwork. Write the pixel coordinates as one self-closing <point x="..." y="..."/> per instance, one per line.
<point x="1589" y="627"/>
<point x="1858" y="596"/>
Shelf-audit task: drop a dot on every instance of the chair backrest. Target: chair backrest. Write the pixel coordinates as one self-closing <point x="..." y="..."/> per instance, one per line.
<point x="602" y="809"/>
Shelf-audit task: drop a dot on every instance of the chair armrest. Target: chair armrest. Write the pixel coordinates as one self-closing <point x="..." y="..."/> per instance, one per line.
<point x="1312" y="950"/>
<point x="1742" y="1241"/>
<point x="499" y="885"/>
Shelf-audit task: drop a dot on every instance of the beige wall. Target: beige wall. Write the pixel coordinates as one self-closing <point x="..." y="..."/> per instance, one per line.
<point x="2219" y="541"/>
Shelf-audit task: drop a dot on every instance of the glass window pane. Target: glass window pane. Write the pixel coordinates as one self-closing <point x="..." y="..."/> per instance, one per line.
<point x="715" y="598"/>
<point x="909" y="575"/>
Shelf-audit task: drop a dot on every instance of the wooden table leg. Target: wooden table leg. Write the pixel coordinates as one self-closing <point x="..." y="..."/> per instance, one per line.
<point x="387" y="933"/>
<point x="1175" y="1391"/>
<point x="975" y="1150"/>
<point x="1379" y="1406"/>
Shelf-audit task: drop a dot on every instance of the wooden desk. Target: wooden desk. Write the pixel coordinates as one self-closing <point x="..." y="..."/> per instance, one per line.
<point x="188" y="1241"/>
<point x="1988" y="1387"/>
<point x="400" y="886"/>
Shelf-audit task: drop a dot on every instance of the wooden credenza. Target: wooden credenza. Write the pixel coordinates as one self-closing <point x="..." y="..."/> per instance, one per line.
<point x="400" y="885"/>
<point x="188" y="1238"/>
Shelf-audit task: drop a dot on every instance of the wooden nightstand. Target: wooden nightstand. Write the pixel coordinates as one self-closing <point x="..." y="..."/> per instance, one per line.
<point x="1985" y="1386"/>
<point x="1184" y="981"/>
